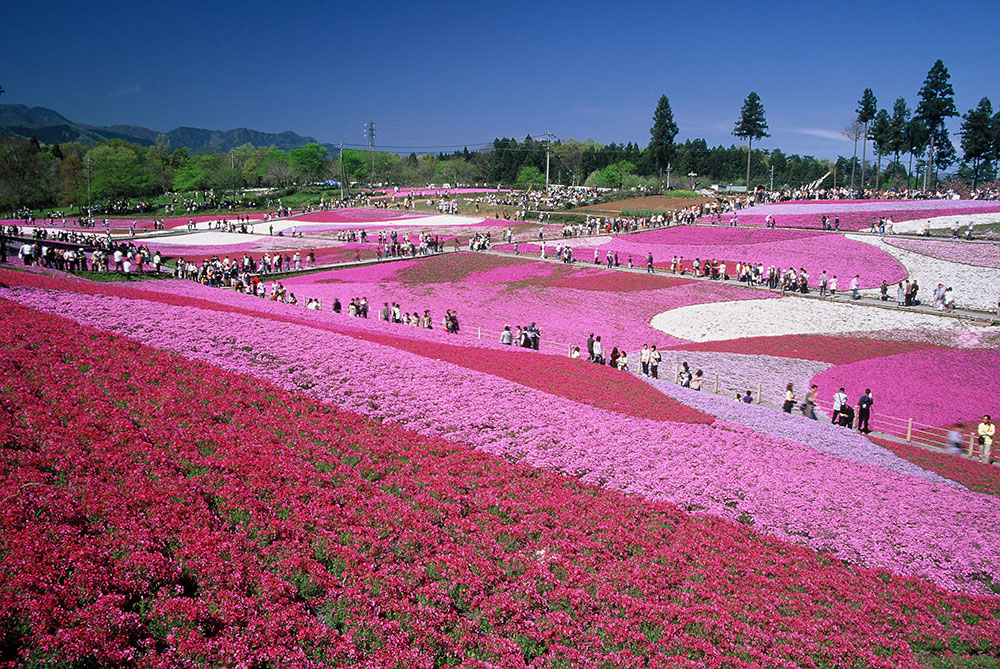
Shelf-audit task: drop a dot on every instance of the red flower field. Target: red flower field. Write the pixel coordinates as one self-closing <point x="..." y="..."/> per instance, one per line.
<point x="161" y="512"/>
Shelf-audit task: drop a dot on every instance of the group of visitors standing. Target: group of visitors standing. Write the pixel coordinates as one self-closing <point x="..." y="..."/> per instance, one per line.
<point x="843" y="411"/>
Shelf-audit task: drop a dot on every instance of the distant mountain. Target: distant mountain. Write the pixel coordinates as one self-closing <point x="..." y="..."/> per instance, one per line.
<point x="51" y="127"/>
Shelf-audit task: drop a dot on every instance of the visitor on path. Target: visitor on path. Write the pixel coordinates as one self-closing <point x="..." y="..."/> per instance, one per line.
<point x="649" y="264"/>
<point x="597" y="356"/>
<point x="697" y="380"/>
<point x="590" y="347"/>
<point x="809" y="405"/>
<point x="839" y="402"/>
<point x="865" y="411"/>
<point x="685" y="376"/>
<point x="507" y="337"/>
<point x="985" y="433"/>
<point x="854" y="287"/>
<point x="644" y="360"/>
<point x="790" y="399"/>
<point x="654" y="362"/>
<point x="900" y="294"/>
<point x="833" y="286"/>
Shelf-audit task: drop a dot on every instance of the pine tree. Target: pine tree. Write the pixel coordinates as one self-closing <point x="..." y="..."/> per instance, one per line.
<point x="937" y="102"/>
<point x="663" y="132"/>
<point x="867" y="108"/>
<point x="977" y="136"/>
<point x="752" y="125"/>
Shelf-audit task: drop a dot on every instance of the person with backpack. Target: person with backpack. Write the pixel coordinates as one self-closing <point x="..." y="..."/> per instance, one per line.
<point x="654" y="362"/>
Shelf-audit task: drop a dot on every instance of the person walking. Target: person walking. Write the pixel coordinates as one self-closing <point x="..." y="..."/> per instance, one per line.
<point x="644" y="360"/>
<point x="809" y="405"/>
<point x="790" y="399"/>
<point x="649" y="264"/>
<point x="654" y="362"/>
<point x="985" y="433"/>
<point x="865" y="411"/>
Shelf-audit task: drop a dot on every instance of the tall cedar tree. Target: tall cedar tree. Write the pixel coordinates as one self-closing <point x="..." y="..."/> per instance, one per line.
<point x="937" y="102"/>
<point x="899" y="123"/>
<point x="881" y="137"/>
<point x="917" y="137"/>
<point x="867" y="108"/>
<point x="663" y="132"/>
<point x="752" y="125"/>
<point x="977" y="136"/>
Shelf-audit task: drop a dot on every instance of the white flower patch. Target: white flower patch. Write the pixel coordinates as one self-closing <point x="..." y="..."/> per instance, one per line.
<point x="974" y="287"/>
<point x="214" y="238"/>
<point x="304" y="226"/>
<point x="767" y="318"/>
<point x="962" y="220"/>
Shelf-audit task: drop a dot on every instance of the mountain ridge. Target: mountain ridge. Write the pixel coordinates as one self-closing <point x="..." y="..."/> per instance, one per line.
<point x="51" y="127"/>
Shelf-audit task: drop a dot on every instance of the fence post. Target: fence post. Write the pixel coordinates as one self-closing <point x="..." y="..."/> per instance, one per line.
<point x="909" y="429"/>
<point x="716" y="383"/>
<point x="972" y="443"/>
<point x="758" y="393"/>
<point x="676" y="373"/>
<point x="480" y="333"/>
<point x="570" y="351"/>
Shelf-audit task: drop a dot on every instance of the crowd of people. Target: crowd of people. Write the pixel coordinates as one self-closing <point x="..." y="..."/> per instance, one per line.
<point x="528" y="336"/>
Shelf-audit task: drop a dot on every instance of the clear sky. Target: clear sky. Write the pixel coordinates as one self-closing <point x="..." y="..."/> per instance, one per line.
<point x="438" y="75"/>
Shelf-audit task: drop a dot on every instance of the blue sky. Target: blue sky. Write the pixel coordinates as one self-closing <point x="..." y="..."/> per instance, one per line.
<point x="437" y="74"/>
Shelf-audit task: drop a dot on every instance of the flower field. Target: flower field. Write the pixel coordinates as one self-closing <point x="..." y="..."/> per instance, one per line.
<point x="568" y="302"/>
<point x="981" y="255"/>
<point x="195" y="476"/>
<point x="815" y="251"/>
<point x="856" y="215"/>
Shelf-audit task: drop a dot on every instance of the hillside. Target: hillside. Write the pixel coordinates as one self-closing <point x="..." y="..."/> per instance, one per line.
<point x="50" y="127"/>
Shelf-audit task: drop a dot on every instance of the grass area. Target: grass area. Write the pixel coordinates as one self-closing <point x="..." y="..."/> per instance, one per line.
<point x="981" y="231"/>
<point x="299" y="198"/>
<point x="122" y="277"/>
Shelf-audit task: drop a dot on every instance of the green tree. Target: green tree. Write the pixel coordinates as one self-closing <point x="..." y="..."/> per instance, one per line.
<point x="937" y="102"/>
<point x="867" y="108"/>
<point x="917" y="138"/>
<point x="662" y="134"/>
<point x="118" y="171"/>
<point x="977" y="136"/>
<point x="356" y="164"/>
<point x="881" y="136"/>
<point x="195" y="173"/>
<point x="529" y="177"/>
<point x="276" y="168"/>
<point x="308" y="162"/>
<point x="752" y="125"/>
<point x="898" y="124"/>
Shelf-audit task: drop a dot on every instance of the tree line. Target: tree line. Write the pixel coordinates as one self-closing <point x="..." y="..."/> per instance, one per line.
<point x="39" y="176"/>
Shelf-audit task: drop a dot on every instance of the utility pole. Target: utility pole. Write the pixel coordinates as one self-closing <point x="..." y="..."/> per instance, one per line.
<point x="370" y="134"/>
<point x="341" y="170"/>
<point x="772" y="177"/>
<point x="89" y="207"/>
<point x="548" y="146"/>
<point x="668" y="176"/>
<point x="232" y="164"/>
